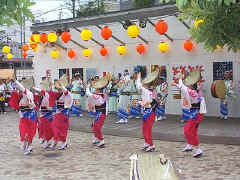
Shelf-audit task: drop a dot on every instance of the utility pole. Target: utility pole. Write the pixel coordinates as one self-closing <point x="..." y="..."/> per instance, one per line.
<point x="73" y="4"/>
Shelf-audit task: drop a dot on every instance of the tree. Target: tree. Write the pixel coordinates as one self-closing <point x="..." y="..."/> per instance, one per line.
<point x="220" y="24"/>
<point x="12" y="11"/>
<point x="84" y="9"/>
<point x="143" y="3"/>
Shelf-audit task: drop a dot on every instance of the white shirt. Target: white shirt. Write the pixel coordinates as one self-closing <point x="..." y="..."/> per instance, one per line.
<point x="147" y="95"/>
<point x="2" y="87"/>
<point x="94" y="99"/>
<point x="66" y="98"/>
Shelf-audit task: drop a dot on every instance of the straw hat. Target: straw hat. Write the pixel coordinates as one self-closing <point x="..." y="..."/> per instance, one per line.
<point x="28" y="83"/>
<point x="192" y="78"/>
<point x="44" y="84"/>
<point x="151" y="77"/>
<point x="101" y="83"/>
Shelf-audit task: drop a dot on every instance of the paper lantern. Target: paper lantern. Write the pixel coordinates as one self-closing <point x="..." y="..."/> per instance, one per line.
<point x="6" y="49"/>
<point x="188" y="45"/>
<point x="140" y="48"/>
<point x="32" y="38"/>
<point x="103" y="51"/>
<point x="25" y="47"/>
<point x="24" y="54"/>
<point x="44" y="38"/>
<point x="35" y="49"/>
<point x="52" y="37"/>
<point x="197" y="22"/>
<point x="66" y="36"/>
<point x="133" y="31"/>
<point x="36" y="38"/>
<point x="163" y="47"/>
<point x="106" y="33"/>
<point x="9" y="56"/>
<point x="161" y="27"/>
<point x="33" y="45"/>
<point x="86" y="34"/>
<point x="55" y="54"/>
<point x="71" y="53"/>
<point x="121" y="50"/>
<point x="87" y="52"/>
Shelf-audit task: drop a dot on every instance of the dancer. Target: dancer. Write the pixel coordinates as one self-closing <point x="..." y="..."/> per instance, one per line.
<point x="149" y="105"/>
<point x="197" y="108"/>
<point x="124" y="89"/>
<point x="28" y="116"/>
<point x="46" y="117"/>
<point x="229" y="94"/>
<point x="162" y="93"/>
<point x="60" y="122"/>
<point x="135" y="108"/>
<point x="97" y="100"/>
<point x="78" y="93"/>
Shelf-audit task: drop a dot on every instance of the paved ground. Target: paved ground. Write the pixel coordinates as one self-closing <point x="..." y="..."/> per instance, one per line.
<point x="83" y="161"/>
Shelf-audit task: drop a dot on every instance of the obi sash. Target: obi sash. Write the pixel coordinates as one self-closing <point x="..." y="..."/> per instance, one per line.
<point x="31" y="115"/>
<point x="47" y="115"/>
<point x="147" y="113"/>
<point x="97" y="116"/>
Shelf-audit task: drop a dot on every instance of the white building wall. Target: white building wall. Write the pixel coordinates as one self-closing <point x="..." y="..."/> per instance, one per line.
<point x="117" y="63"/>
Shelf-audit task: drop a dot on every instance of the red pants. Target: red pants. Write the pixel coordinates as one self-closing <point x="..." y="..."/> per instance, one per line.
<point x="45" y="129"/>
<point x="97" y="126"/>
<point x="27" y="129"/>
<point x="60" y="127"/>
<point x="40" y="129"/>
<point x="191" y="130"/>
<point x="147" y="129"/>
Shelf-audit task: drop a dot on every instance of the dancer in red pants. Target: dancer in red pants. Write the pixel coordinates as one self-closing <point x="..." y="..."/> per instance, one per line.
<point x="28" y="116"/>
<point x="197" y="109"/>
<point x="149" y="106"/>
<point x="60" y="122"/>
<point x="98" y="100"/>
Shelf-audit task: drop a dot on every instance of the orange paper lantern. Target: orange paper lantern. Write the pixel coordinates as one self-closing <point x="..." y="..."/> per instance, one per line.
<point x="106" y="33"/>
<point x="32" y="38"/>
<point x="188" y="45"/>
<point x="161" y="27"/>
<point x="24" y="54"/>
<point x="66" y="36"/>
<point x="33" y="45"/>
<point x="25" y="47"/>
<point x="140" y="48"/>
<point x="71" y="53"/>
<point x="44" y="38"/>
<point x="103" y="51"/>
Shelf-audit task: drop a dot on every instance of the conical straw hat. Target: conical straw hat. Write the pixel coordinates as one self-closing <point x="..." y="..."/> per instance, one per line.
<point x="28" y="83"/>
<point x="192" y="78"/>
<point x="101" y="83"/>
<point x="151" y="77"/>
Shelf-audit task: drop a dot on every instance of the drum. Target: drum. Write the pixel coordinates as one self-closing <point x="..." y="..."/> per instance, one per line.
<point x="218" y="89"/>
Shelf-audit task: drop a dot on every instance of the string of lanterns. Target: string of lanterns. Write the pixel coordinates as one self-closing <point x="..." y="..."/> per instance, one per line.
<point x="161" y="27"/>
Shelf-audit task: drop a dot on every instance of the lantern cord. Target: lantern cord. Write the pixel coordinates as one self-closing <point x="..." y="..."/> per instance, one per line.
<point x="114" y="37"/>
<point x="144" y="40"/>
<point x="59" y="45"/>
<point x="75" y="42"/>
<point x="94" y="40"/>
<point x="167" y="36"/>
<point x="185" y="24"/>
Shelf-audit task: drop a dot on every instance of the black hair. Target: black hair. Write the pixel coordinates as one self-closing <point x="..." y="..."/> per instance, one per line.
<point x="195" y="87"/>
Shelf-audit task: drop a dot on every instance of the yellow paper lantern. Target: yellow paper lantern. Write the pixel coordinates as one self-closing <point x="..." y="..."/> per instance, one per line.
<point x="121" y="50"/>
<point x="35" y="49"/>
<point x="133" y="31"/>
<point x="87" y="52"/>
<point x="36" y="38"/>
<point x="52" y="37"/>
<point x="6" y="49"/>
<point x="9" y="56"/>
<point x="86" y="34"/>
<point x="197" y="22"/>
<point x="55" y="54"/>
<point x="163" y="47"/>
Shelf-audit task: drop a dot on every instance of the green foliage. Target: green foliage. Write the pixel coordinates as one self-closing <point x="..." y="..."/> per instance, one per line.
<point x="143" y="3"/>
<point x="91" y="8"/>
<point x="12" y="11"/>
<point x="221" y="24"/>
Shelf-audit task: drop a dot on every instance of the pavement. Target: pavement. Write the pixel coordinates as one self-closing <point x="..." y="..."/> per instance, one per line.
<point x="83" y="161"/>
